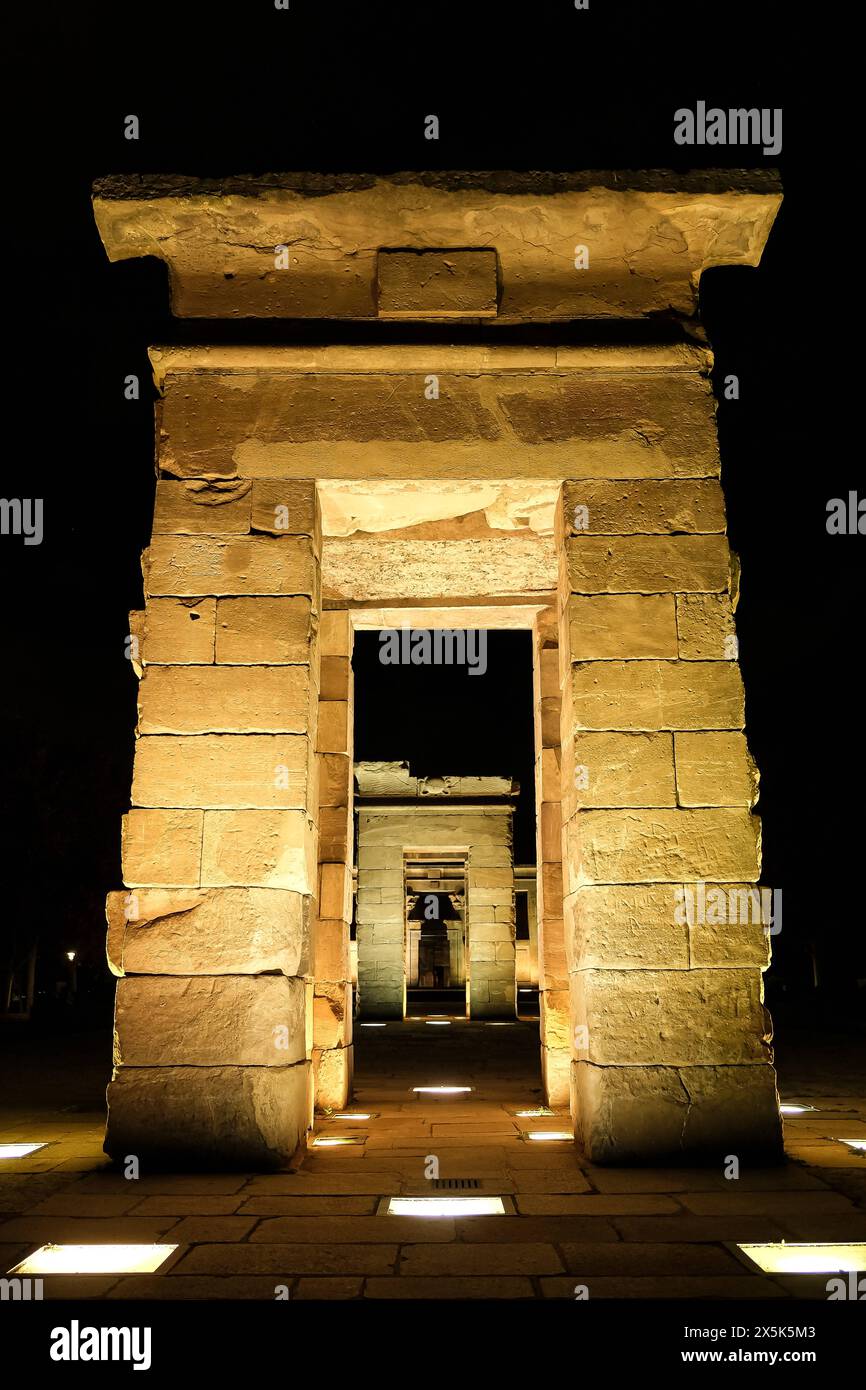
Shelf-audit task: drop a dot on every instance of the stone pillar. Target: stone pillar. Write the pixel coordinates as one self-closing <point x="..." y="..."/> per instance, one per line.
<point x="671" y="1037"/>
<point x="332" y="1002"/>
<point x="490" y="915"/>
<point x="211" y="940"/>
<point x="553" y="986"/>
<point x="381" y="914"/>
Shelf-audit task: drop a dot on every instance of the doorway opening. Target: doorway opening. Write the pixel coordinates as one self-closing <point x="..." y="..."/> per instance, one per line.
<point x="435" y="902"/>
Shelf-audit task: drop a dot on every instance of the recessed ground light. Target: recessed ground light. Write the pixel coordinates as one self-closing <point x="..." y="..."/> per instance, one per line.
<point x="347" y="1116"/>
<point x="446" y="1206"/>
<point x="859" y="1144"/>
<point x="438" y="1022"/>
<point x="533" y="1114"/>
<point x="373" y="1025"/>
<point x="796" y="1109"/>
<point x="95" y="1259"/>
<point x="524" y="991"/>
<point x="18" y="1150"/>
<point x="441" y="1090"/>
<point x="332" y="1141"/>
<point x="503" y="1023"/>
<point x="789" y="1257"/>
<point x="544" y="1135"/>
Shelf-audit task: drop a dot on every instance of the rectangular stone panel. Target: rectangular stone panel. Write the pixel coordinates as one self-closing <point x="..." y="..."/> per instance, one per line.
<point x="647" y="564"/>
<point x="727" y="924"/>
<point x="193" y="565"/>
<point x="226" y="699"/>
<point x="202" y="506"/>
<point x="715" y="769"/>
<point x="335" y="891"/>
<point x="221" y="770"/>
<point x="335" y="678"/>
<point x="623" y="508"/>
<point x="286" y="507"/>
<point x="615" y="769"/>
<point x="229" y="931"/>
<point x="183" y="1117"/>
<point x="179" y="632"/>
<point x="647" y="1114"/>
<point x="335" y="833"/>
<point x="261" y="630"/>
<point x="330" y="949"/>
<point x="161" y="848"/>
<point x="618" y="627"/>
<point x="662" y="846"/>
<point x="332" y="1014"/>
<point x="356" y="569"/>
<point x="432" y="284"/>
<point x="335" y="777"/>
<point x="626" y="927"/>
<point x="332" y="1074"/>
<point x="335" y="727"/>
<point x="268" y="849"/>
<point x="670" y="1017"/>
<point x="201" y="1021"/>
<point x="657" y="695"/>
<point x="705" y="623"/>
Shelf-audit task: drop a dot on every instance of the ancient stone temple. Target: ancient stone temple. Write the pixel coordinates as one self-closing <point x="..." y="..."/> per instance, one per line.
<point x="536" y="479"/>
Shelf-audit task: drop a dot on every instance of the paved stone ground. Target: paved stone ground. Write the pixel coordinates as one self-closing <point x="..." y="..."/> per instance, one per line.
<point x="657" y="1233"/>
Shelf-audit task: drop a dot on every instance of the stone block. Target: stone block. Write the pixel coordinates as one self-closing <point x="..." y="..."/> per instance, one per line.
<point x="230" y="931"/>
<point x="265" y="849"/>
<point x="616" y="769"/>
<point x="555" y="1075"/>
<point x="335" y="779"/>
<point x="335" y="833"/>
<point x="432" y="284"/>
<point x="179" y="632"/>
<point x="647" y="564"/>
<point x="336" y="633"/>
<point x="262" y="630"/>
<point x="202" y="506"/>
<point x="161" y="849"/>
<point x="715" y="769"/>
<point x="705" y="624"/>
<point x="332" y="1076"/>
<point x="226" y="1117"/>
<point x="647" y="1114"/>
<point x="226" y="699"/>
<point x="222" y="770"/>
<point x="335" y="680"/>
<point x="285" y="507"/>
<point x="199" y="565"/>
<point x="332" y="1014"/>
<point x="671" y="1017"/>
<point x="654" y="695"/>
<point x="617" y="627"/>
<point x="626" y="927"/>
<point x="335" y="892"/>
<point x="643" y="507"/>
<point x="727" y="923"/>
<point x="335" y="727"/>
<point x="628" y="846"/>
<point x="208" y="1021"/>
<point x="331" y="949"/>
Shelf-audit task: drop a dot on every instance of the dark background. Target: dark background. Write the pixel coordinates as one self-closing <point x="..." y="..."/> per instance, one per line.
<point x="343" y="87"/>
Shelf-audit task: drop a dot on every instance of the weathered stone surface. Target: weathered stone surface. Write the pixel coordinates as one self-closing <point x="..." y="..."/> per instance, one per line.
<point x="715" y="769"/>
<point x="350" y="413"/>
<point x="335" y="892"/>
<point x="643" y="508"/>
<point x="555" y="1074"/>
<point x="671" y="1017"/>
<point x="663" y="846"/>
<point x="226" y="699"/>
<point x="202" y="506"/>
<point x="336" y="635"/>
<point x="228" y="1020"/>
<point x="225" y="1117"/>
<point x="335" y="779"/>
<point x="383" y="570"/>
<point x="178" y="631"/>
<point x="657" y="695"/>
<point x="161" y="848"/>
<point x="269" y="849"/>
<point x="627" y="927"/>
<point x="646" y="1114"/>
<point x="285" y="507"/>
<point x="330" y="950"/>
<point x="332" y="1014"/>
<point x="264" y="631"/>
<point x="614" y="769"/>
<point x="436" y="284"/>
<point x="618" y="627"/>
<point x="335" y="678"/>
<point x="647" y="564"/>
<point x="230" y="931"/>
<point x="652" y="234"/>
<point x="221" y="770"/>
<point x="705" y="623"/>
<point x="332" y="1073"/>
<point x="726" y="924"/>
<point x="193" y="565"/>
<point x="334" y="728"/>
<point x="335" y="833"/>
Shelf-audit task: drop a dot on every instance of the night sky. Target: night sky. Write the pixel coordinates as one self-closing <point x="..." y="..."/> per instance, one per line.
<point x="245" y="88"/>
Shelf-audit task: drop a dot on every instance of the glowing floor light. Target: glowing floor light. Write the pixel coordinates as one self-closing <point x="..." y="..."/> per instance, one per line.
<point x="373" y="1025"/>
<point x="859" y="1144"/>
<point x="782" y="1257"/>
<point x="446" y="1206"/>
<point x="533" y="1114"/>
<point x="542" y="1136"/>
<point x="95" y="1259"/>
<point x="333" y="1141"/>
<point x="441" y="1090"/>
<point x="18" y="1150"/>
<point x="354" y="1116"/>
<point x="438" y="1022"/>
<point x="796" y="1109"/>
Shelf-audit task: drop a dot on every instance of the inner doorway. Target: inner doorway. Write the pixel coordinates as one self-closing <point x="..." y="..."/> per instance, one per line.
<point x="435" y="902"/>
